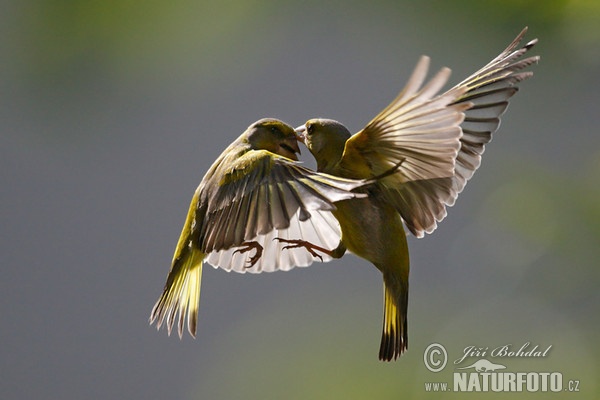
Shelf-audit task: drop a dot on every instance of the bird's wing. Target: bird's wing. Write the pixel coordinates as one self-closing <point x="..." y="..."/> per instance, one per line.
<point x="439" y="137"/>
<point x="264" y="196"/>
<point x="420" y="129"/>
<point x="489" y="90"/>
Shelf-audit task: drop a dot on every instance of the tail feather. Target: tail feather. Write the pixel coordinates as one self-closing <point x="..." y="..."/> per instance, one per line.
<point x="181" y="295"/>
<point x="394" y="338"/>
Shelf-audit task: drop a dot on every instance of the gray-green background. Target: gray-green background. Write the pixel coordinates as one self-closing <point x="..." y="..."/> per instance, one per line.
<point x="111" y="111"/>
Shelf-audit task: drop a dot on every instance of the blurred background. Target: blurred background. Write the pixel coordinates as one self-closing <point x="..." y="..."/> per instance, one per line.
<point x="111" y="111"/>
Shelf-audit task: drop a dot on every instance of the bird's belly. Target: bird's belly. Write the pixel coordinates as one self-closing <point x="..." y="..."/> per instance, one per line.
<point x="372" y="229"/>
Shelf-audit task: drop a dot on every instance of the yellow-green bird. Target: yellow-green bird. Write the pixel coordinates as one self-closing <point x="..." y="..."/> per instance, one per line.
<point x="438" y="139"/>
<point x="254" y="193"/>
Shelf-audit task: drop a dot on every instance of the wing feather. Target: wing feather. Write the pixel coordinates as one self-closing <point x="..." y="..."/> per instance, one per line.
<point x="415" y="123"/>
<point x="489" y="89"/>
<point x="438" y="138"/>
<point x="420" y="129"/>
<point x="264" y="196"/>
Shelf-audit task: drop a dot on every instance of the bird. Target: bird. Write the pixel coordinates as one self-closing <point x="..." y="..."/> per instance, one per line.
<point x="438" y="138"/>
<point x="253" y="197"/>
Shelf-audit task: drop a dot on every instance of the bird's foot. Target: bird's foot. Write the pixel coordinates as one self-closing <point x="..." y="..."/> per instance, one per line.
<point x="251" y="246"/>
<point x="296" y="243"/>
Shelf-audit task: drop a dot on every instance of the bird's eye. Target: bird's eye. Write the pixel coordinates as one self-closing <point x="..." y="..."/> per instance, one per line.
<point x="274" y="129"/>
<point x="309" y="129"/>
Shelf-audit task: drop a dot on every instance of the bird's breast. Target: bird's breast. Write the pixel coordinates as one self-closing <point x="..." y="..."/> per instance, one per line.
<point x="372" y="229"/>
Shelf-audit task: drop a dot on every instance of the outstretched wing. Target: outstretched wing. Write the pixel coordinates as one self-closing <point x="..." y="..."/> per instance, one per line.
<point x="264" y="196"/>
<point x="439" y="137"/>
<point x="489" y="90"/>
<point x="420" y="129"/>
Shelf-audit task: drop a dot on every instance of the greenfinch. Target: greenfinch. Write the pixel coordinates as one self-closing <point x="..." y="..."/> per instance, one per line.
<point x="439" y="140"/>
<point x="254" y="193"/>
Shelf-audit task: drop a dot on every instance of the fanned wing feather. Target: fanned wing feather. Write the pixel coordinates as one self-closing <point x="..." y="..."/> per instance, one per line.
<point x="321" y="229"/>
<point x="489" y="90"/>
<point x="421" y="130"/>
<point x="440" y="138"/>
<point x="417" y="129"/>
<point x="264" y="196"/>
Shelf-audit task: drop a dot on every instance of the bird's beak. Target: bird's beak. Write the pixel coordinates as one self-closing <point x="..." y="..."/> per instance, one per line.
<point x="291" y="145"/>
<point x="301" y="133"/>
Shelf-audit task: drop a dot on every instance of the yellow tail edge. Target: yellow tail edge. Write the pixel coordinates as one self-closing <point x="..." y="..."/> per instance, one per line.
<point x="394" y="338"/>
<point x="181" y="295"/>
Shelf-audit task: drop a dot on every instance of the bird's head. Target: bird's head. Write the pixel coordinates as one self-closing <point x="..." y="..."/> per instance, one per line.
<point x="325" y="138"/>
<point x="275" y="136"/>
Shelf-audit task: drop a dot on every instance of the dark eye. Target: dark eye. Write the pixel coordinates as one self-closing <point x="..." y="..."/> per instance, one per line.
<point x="309" y="129"/>
<point x="274" y="129"/>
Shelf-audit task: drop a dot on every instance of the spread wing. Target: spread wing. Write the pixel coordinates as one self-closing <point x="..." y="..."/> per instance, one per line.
<point x="489" y="90"/>
<point x="439" y="137"/>
<point x="264" y="196"/>
<point x="420" y="129"/>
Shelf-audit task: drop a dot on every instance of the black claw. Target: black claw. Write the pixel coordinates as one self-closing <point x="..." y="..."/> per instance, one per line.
<point x="249" y="246"/>
<point x="296" y="243"/>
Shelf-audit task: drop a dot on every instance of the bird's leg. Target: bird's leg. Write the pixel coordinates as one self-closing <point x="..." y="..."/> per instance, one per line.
<point x="249" y="246"/>
<point x="297" y="243"/>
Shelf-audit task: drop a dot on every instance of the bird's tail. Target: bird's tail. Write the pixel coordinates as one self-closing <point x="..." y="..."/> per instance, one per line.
<point x="394" y="338"/>
<point x="181" y="294"/>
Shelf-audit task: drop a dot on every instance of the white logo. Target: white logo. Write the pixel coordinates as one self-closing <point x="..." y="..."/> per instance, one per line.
<point x="435" y="357"/>
<point x="483" y="375"/>
<point x="484" y="365"/>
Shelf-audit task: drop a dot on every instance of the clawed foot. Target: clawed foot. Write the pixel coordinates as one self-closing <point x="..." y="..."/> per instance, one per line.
<point x="296" y="243"/>
<point x="250" y="246"/>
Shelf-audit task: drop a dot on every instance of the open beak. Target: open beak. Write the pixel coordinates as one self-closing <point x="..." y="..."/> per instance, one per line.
<point x="301" y="133"/>
<point x="290" y="146"/>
